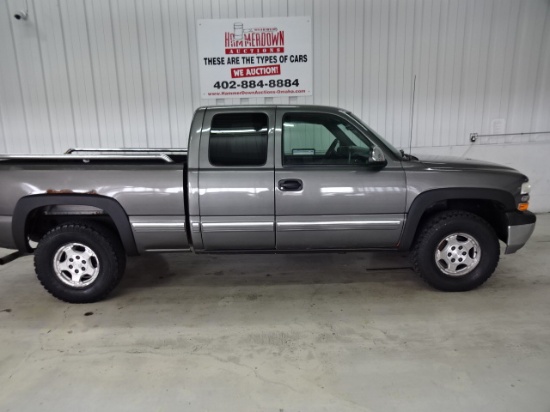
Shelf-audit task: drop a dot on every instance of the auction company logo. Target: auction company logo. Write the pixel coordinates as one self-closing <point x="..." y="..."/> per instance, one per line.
<point x="259" y="40"/>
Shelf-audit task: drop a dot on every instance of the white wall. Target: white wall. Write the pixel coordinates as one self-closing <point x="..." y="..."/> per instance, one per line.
<point x="123" y="72"/>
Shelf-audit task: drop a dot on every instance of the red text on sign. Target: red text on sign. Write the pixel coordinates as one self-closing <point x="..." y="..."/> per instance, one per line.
<point x="272" y="70"/>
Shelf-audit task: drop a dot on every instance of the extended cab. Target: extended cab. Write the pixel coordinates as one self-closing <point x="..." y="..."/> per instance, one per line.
<point x="270" y="179"/>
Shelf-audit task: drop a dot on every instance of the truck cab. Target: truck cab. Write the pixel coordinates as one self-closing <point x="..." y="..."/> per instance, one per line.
<point x="291" y="179"/>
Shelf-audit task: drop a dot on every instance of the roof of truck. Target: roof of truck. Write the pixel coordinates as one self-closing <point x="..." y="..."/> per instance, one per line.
<point x="274" y="106"/>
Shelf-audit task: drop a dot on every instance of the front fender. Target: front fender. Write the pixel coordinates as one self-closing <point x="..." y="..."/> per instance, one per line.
<point x="426" y="199"/>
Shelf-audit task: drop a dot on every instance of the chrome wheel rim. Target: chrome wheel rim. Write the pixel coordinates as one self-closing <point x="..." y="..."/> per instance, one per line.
<point x="458" y="254"/>
<point x="76" y="265"/>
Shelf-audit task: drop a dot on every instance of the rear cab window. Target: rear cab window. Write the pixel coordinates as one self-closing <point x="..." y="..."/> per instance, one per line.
<point x="238" y="139"/>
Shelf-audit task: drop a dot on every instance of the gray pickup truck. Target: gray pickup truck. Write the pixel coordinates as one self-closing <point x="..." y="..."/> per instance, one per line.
<point x="272" y="179"/>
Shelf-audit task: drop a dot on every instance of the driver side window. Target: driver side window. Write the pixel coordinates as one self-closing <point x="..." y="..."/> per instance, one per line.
<point x="318" y="138"/>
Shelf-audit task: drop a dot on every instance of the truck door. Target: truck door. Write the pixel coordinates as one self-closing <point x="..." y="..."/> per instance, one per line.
<point x="236" y="192"/>
<point x="327" y="195"/>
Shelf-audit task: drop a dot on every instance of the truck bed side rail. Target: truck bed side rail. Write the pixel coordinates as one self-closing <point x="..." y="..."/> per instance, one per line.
<point x="164" y="157"/>
<point x="123" y="150"/>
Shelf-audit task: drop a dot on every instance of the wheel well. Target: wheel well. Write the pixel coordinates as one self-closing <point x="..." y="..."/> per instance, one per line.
<point x="36" y="214"/>
<point x="491" y="211"/>
<point x="42" y="219"/>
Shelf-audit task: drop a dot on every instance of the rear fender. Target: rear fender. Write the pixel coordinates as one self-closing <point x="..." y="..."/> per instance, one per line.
<point x="111" y="207"/>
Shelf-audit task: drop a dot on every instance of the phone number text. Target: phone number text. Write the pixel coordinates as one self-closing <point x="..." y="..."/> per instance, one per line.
<point x="253" y="84"/>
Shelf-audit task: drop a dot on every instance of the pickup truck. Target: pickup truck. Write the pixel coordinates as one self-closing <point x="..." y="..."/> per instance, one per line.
<point x="259" y="179"/>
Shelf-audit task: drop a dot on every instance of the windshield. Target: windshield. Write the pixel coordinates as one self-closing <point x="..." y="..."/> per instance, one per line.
<point x="383" y="141"/>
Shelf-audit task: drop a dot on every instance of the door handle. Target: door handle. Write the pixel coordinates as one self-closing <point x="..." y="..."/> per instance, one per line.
<point x="291" y="185"/>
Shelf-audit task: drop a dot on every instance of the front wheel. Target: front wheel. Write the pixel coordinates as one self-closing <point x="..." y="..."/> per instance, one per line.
<point x="79" y="263"/>
<point x="456" y="251"/>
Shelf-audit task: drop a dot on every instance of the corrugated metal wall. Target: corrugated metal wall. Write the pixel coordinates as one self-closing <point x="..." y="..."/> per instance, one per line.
<point x="124" y="73"/>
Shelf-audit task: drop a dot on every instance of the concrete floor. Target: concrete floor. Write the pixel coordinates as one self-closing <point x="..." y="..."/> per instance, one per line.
<point x="281" y="333"/>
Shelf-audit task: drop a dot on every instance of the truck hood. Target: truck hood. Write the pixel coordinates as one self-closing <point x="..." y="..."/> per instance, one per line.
<point x="459" y="163"/>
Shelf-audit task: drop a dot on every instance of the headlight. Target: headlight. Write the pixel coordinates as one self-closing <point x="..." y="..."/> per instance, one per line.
<point x="524" y="200"/>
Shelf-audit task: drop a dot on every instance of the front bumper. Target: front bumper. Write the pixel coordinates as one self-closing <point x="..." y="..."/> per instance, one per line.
<point x="520" y="228"/>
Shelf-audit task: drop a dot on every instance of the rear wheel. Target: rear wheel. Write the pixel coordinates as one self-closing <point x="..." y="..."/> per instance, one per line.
<point x="79" y="263"/>
<point x="456" y="251"/>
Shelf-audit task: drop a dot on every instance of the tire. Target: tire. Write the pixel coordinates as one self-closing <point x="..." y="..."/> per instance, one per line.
<point x="456" y="251"/>
<point x="96" y="250"/>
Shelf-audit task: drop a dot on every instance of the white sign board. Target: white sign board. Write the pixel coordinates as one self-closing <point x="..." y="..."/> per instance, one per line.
<point x="255" y="57"/>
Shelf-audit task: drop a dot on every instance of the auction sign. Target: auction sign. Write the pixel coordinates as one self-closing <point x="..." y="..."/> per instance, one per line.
<point x="255" y="57"/>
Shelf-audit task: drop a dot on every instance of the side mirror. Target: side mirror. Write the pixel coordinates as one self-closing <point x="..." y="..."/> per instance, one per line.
<point x="377" y="157"/>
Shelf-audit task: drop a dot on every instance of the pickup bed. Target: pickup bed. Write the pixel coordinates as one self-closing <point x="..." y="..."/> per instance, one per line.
<point x="259" y="179"/>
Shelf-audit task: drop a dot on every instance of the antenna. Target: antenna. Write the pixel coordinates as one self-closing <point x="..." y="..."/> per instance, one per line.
<point x="412" y="115"/>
